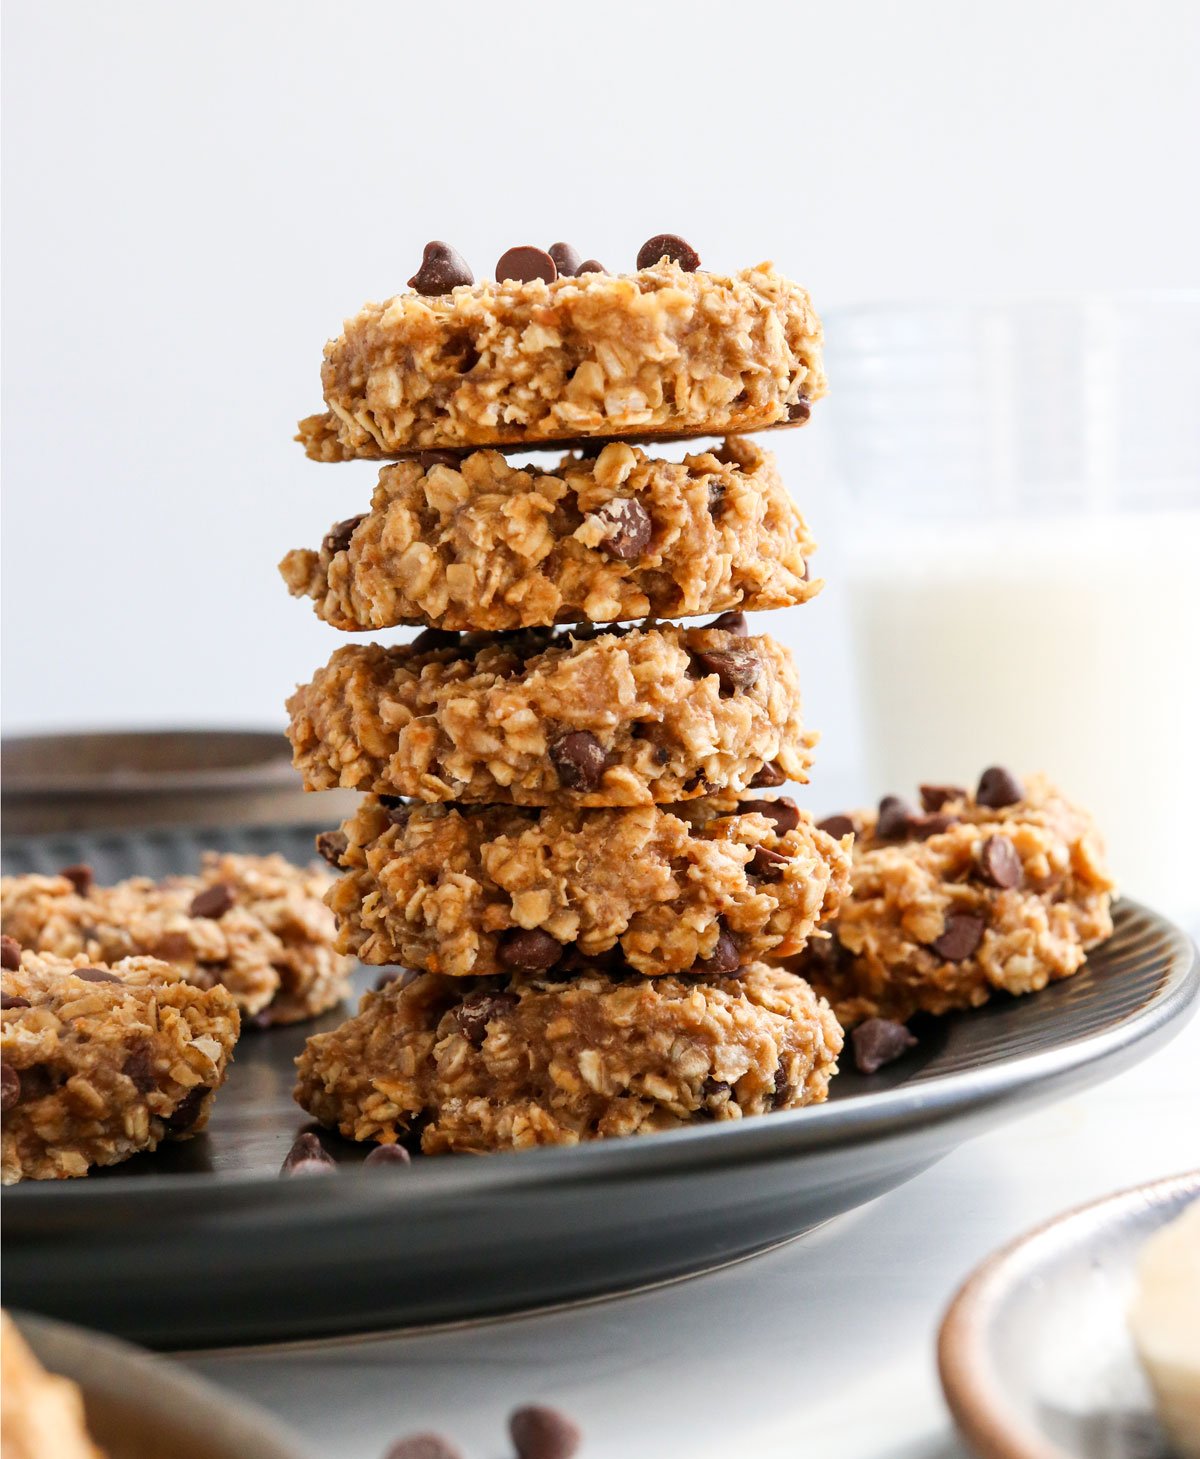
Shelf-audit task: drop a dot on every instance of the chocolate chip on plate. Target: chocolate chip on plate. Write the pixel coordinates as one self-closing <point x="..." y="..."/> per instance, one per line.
<point x="879" y="1041"/>
<point x="627" y="528"/>
<point x="213" y="901"/>
<point x="668" y="245"/>
<point x="580" y="760"/>
<point x="962" y="932"/>
<point x="731" y="623"/>
<point x="10" y="953"/>
<point x="442" y="269"/>
<point x="736" y="668"/>
<point x="81" y="877"/>
<point x="541" y="1432"/>
<point x="998" y="787"/>
<point x="893" y="819"/>
<point x="724" y="959"/>
<point x="766" y="864"/>
<point x="529" y="950"/>
<point x="799" y="410"/>
<point x="424" y="1446"/>
<point x="308" y="1157"/>
<point x="427" y="460"/>
<point x="783" y="810"/>
<point x="999" y="864"/>
<point x="836" y="826"/>
<point x="332" y="846"/>
<point x="95" y="975"/>
<point x="523" y="264"/>
<point x="388" y="1155"/>
<point x="10" y="1088"/>
<point x="477" y="1010"/>
<point x="337" y="539"/>
<point x="566" y="259"/>
<point x="934" y="797"/>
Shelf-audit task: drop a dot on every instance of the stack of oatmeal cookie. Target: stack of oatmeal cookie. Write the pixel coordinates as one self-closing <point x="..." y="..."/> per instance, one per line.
<point x="562" y="839"/>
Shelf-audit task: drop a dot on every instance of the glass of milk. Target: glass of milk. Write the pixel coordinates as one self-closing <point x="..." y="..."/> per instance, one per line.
<point x="1023" y="535"/>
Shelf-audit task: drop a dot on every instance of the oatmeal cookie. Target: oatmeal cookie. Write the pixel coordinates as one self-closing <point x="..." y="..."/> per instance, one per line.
<point x="41" y="1414"/>
<point x="707" y="886"/>
<point x="100" y="1063"/>
<point x="661" y="352"/>
<point x="624" y="717"/>
<point x="255" y="924"/>
<point x="1004" y="888"/>
<point x="504" y="1063"/>
<point x="477" y="543"/>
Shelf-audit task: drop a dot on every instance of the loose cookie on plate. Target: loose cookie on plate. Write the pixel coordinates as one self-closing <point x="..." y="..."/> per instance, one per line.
<point x="621" y="717"/>
<point x="504" y="1063"/>
<point x="100" y="1063"/>
<point x="1003" y="889"/>
<point x="473" y="542"/>
<point x="703" y="887"/>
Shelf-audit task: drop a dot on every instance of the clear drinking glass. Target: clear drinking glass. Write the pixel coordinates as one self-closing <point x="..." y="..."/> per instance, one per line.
<point x="1024" y="556"/>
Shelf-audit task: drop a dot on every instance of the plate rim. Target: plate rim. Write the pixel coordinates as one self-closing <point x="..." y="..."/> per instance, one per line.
<point x="974" y="1394"/>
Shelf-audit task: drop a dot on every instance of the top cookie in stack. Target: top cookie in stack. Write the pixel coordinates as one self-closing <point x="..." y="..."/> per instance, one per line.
<point x="552" y="814"/>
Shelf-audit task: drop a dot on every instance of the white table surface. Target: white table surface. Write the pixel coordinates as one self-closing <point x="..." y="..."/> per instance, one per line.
<point x="824" y="1346"/>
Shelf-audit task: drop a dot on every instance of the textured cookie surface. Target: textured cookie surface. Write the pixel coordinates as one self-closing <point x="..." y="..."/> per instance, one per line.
<point x="962" y="899"/>
<point x="624" y="717"/>
<point x="256" y="924"/>
<point x="662" y="352"/>
<point x="707" y="886"/>
<point x="478" y="543"/>
<point x="100" y="1063"/>
<point x="498" y="1064"/>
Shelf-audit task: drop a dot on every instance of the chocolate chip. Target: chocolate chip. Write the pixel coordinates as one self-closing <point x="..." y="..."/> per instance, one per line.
<point x="95" y="975"/>
<point x="80" y="876"/>
<point x="782" y="1090"/>
<point x="800" y="410"/>
<point x="308" y="1157"/>
<point x="388" y="1155"/>
<point x="429" y="459"/>
<point x="403" y="976"/>
<point x="529" y="950"/>
<point x="627" y="528"/>
<point x="580" y="760"/>
<point x="391" y="802"/>
<point x="424" y="1446"/>
<point x="442" y="269"/>
<point x="475" y="1012"/>
<point x="332" y="846"/>
<point x="187" y="1111"/>
<point x="10" y="1088"/>
<point x="877" y="1042"/>
<point x="10" y="953"/>
<point x="836" y="826"/>
<point x="337" y="539"/>
<point x="999" y="863"/>
<point x="14" y="1000"/>
<point x="430" y="639"/>
<point x="736" y="668"/>
<point x="962" y="932"/>
<point x="921" y="827"/>
<point x="731" y="623"/>
<point x="139" y="1066"/>
<point x="893" y="819"/>
<point x="715" y="1091"/>
<point x="523" y="264"/>
<point x="716" y="496"/>
<point x="213" y="901"/>
<point x="590" y="266"/>
<point x="724" y="959"/>
<point x="823" y="955"/>
<point x="566" y="259"/>
<point x="998" y="787"/>
<point x="539" y="1432"/>
<point x="783" y="810"/>
<point x="668" y="245"/>
<point x="766" y="864"/>
<point x="768" y="777"/>
<point x="934" y="797"/>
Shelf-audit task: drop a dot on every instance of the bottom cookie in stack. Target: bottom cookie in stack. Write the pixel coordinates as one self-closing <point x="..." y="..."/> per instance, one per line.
<point x="483" y="1064"/>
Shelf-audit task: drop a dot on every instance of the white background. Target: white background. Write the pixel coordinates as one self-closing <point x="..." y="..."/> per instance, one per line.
<point x="196" y="196"/>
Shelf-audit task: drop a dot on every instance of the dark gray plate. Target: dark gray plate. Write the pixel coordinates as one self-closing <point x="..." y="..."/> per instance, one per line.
<point x="202" y="1243"/>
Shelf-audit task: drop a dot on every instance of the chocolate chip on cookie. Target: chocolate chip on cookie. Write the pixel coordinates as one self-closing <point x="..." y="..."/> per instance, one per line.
<point x="14" y="1000"/>
<point x="731" y="623"/>
<point x="736" y="668"/>
<point x="442" y="269"/>
<point x="934" y="797"/>
<point x="337" y="539"/>
<point x="81" y="877"/>
<point x="523" y="264"/>
<point x="879" y="1041"/>
<point x="799" y="410"/>
<point x="724" y="958"/>
<point x="998" y="788"/>
<point x="139" y="1066"/>
<point x="10" y="1088"/>
<point x="10" y="953"/>
<point x="403" y="976"/>
<point x="529" y="950"/>
<point x="539" y="1432"/>
<point x="924" y="825"/>
<point x="766" y="864"/>
<point x="580" y="760"/>
<point x="187" y="1111"/>
<point x="836" y="826"/>
<point x="668" y="245"/>
<point x="782" y="1088"/>
<point x="566" y="259"/>
<point x="962" y="932"/>
<point x="999" y="864"/>
<point x="431" y="639"/>
<point x="477" y="1010"/>
<point x="768" y="777"/>
<point x="332" y="846"/>
<point x="590" y="266"/>
<point x="893" y="819"/>
<point x="627" y="528"/>
<point x="213" y="901"/>
<point x="783" y="810"/>
<point x="427" y="460"/>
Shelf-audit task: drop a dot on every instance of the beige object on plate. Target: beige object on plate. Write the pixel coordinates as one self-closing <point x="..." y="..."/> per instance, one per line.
<point x="41" y="1416"/>
<point x="1164" y="1319"/>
